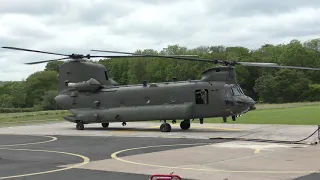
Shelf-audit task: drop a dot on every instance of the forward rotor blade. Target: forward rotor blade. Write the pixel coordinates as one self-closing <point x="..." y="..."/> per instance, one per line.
<point x="116" y="56"/>
<point x="30" y="50"/>
<point x="39" y="62"/>
<point x="118" y="52"/>
<point x="183" y="57"/>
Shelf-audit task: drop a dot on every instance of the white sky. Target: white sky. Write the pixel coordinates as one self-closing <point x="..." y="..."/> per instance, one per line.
<point x="76" y="26"/>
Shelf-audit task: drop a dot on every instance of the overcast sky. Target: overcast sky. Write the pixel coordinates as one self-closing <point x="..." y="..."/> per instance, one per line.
<point x="76" y="26"/>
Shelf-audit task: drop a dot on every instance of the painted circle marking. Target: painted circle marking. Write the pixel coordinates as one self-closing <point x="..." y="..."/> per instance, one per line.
<point x="32" y="143"/>
<point x="114" y="156"/>
<point x="86" y="160"/>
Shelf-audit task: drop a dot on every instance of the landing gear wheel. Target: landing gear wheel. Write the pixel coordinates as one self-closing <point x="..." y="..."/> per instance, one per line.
<point x="165" y="127"/>
<point x="233" y="118"/>
<point x="105" y="125"/>
<point x="185" y="125"/>
<point x="80" y="126"/>
<point x="224" y="119"/>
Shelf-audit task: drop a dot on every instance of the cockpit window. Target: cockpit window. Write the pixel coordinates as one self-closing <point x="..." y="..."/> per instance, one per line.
<point x="237" y="91"/>
<point x="233" y="90"/>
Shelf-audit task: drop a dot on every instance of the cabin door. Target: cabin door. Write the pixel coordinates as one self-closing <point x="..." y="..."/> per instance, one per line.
<point x="202" y="107"/>
<point x="202" y="96"/>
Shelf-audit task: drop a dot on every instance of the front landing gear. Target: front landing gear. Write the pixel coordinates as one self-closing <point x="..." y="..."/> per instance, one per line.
<point x="224" y="119"/>
<point x="165" y="127"/>
<point x="80" y="126"/>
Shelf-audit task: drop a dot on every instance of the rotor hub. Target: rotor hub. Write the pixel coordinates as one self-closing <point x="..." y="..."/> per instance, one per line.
<point x="76" y="56"/>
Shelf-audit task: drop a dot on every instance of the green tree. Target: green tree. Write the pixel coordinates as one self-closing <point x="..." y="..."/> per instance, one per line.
<point x="38" y="83"/>
<point x="53" y="66"/>
<point x="6" y="101"/>
<point x="48" y="102"/>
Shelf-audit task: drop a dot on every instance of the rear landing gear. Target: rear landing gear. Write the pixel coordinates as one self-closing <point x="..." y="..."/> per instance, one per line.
<point x="185" y="124"/>
<point x="165" y="127"/>
<point x="105" y="125"/>
<point x="80" y="126"/>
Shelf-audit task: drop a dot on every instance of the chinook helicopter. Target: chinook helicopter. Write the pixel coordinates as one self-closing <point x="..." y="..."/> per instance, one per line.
<point x="86" y="90"/>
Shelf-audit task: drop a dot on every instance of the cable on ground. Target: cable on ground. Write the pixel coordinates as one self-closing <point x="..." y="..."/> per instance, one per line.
<point x="276" y="141"/>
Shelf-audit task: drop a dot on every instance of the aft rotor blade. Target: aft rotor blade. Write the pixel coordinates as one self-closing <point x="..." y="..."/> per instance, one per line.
<point x="225" y="62"/>
<point x="294" y="67"/>
<point x="257" y="64"/>
<point x="275" y="65"/>
<point x="30" y="50"/>
<point x="39" y="62"/>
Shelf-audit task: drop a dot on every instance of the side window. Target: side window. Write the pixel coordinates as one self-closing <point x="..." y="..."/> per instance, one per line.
<point x="202" y="96"/>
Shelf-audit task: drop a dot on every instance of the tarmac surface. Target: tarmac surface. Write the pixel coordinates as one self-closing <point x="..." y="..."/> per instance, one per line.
<point x="138" y="150"/>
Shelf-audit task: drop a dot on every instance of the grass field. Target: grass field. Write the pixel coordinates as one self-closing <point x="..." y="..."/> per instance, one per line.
<point x="292" y="113"/>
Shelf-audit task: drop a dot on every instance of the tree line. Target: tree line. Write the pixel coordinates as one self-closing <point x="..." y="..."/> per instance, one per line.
<point x="269" y="85"/>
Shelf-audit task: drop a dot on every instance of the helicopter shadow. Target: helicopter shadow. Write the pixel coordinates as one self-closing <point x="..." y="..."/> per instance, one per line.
<point x="173" y="130"/>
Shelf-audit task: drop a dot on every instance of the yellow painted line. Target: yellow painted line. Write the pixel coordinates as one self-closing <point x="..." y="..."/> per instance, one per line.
<point x="154" y="127"/>
<point x="86" y="160"/>
<point x="257" y="151"/>
<point x="32" y="143"/>
<point x="114" y="156"/>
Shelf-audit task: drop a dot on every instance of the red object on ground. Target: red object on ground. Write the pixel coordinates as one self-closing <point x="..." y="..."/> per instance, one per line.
<point x="165" y="177"/>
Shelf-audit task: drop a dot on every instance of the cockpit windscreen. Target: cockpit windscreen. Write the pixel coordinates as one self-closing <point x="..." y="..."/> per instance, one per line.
<point x="237" y="91"/>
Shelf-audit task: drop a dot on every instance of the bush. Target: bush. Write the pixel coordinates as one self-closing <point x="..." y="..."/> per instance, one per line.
<point x="313" y="94"/>
<point x="17" y="110"/>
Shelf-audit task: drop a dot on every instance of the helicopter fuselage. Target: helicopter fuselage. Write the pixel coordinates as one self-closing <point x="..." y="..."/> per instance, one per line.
<point x="156" y="101"/>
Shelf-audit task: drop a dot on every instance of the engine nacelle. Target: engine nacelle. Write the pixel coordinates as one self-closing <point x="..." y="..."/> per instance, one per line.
<point x="92" y="85"/>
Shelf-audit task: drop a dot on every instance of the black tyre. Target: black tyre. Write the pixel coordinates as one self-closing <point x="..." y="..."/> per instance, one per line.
<point x="165" y="127"/>
<point x="105" y="125"/>
<point x="185" y="125"/>
<point x="80" y="126"/>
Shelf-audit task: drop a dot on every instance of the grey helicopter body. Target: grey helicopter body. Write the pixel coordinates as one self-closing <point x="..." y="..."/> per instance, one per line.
<point x="92" y="102"/>
<point x="92" y="97"/>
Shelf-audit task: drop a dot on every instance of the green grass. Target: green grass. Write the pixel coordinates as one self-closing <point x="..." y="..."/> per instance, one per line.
<point x="302" y="113"/>
<point x="305" y="113"/>
<point x="294" y="114"/>
<point x="12" y="119"/>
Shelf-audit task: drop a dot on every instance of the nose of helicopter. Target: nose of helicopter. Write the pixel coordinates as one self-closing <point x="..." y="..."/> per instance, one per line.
<point x="251" y="103"/>
<point x="247" y="101"/>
